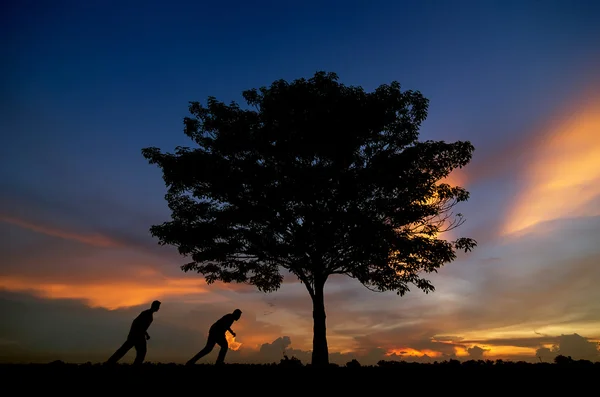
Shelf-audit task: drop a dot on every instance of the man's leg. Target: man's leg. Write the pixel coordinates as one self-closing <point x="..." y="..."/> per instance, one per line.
<point x="222" y="341"/>
<point x="121" y="351"/>
<point x="210" y="344"/>
<point x="140" y="350"/>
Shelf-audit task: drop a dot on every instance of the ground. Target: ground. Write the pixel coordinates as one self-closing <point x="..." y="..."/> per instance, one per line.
<point x="291" y="378"/>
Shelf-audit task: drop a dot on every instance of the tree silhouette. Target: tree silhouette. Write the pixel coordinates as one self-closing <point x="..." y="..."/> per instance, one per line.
<point x="318" y="178"/>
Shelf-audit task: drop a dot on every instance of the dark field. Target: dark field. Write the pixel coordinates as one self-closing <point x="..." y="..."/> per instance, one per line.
<point x="291" y="378"/>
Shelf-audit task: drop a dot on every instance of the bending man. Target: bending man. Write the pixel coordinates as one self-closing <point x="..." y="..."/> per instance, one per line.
<point x="216" y="336"/>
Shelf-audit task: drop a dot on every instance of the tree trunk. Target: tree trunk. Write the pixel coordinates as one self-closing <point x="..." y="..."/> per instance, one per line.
<point x="320" y="353"/>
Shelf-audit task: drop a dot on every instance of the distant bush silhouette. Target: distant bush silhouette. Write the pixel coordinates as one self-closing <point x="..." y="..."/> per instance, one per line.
<point x="562" y="360"/>
<point x="318" y="178"/>
<point x="567" y="360"/>
<point x="290" y="362"/>
<point x="57" y="362"/>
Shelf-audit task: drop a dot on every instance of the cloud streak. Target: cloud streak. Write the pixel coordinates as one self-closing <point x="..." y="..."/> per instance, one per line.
<point x="110" y="295"/>
<point x="563" y="177"/>
<point x="96" y="240"/>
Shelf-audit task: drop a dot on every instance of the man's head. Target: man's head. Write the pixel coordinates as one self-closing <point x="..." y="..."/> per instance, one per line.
<point x="155" y="306"/>
<point x="237" y="313"/>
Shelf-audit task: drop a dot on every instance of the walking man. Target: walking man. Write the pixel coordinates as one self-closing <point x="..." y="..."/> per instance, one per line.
<point x="138" y="335"/>
<point x="216" y="336"/>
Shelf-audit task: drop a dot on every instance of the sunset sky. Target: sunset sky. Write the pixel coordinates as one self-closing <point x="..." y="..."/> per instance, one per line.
<point x="87" y="84"/>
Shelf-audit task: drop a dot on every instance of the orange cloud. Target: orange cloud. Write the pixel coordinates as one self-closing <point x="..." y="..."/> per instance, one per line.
<point x="495" y="351"/>
<point x="109" y="295"/>
<point x="461" y="351"/>
<point x="96" y="240"/>
<point x="564" y="175"/>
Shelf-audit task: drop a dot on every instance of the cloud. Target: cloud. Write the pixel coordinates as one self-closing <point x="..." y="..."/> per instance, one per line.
<point x="95" y="239"/>
<point x="573" y="345"/>
<point x="274" y="351"/>
<point x="108" y="223"/>
<point x="118" y="284"/>
<point x="110" y="295"/>
<point x="476" y="352"/>
<point x="546" y="172"/>
<point x="563" y="175"/>
<point x="104" y="271"/>
<point x="578" y="347"/>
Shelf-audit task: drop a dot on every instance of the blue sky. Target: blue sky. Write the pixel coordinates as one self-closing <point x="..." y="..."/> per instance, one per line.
<point x="86" y="85"/>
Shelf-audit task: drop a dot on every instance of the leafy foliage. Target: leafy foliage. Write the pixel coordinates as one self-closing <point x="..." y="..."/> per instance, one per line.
<point x="315" y="177"/>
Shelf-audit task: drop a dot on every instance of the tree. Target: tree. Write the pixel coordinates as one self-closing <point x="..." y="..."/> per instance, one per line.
<point x="318" y="178"/>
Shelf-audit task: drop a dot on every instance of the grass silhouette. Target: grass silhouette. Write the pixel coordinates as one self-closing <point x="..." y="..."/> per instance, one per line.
<point x="291" y="377"/>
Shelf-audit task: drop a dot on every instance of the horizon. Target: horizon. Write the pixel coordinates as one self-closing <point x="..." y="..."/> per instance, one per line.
<point x="87" y="86"/>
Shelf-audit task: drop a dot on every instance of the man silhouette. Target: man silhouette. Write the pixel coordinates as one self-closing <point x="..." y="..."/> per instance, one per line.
<point x="138" y="334"/>
<point x="216" y="336"/>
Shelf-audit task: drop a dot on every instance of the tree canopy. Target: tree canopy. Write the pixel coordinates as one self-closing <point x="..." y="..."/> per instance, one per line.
<point x="318" y="178"/>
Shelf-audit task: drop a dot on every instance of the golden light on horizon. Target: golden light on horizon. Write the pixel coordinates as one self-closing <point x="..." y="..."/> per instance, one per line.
<point x="508" y="351"/>
<point x="412" y="352"/>
<point x="495" y="351"/>
<point x="491" y="351"/>
<point x="564" y="175"/>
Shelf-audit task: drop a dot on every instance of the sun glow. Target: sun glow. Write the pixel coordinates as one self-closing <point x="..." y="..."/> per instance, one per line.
<point x="233" y="345"/>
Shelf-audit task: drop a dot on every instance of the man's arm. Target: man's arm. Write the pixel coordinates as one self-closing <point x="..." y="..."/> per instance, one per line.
<point x="231" y="332"/>
<point x="147" y="336"/>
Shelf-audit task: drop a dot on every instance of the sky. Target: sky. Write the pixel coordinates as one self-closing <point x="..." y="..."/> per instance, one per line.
<point x="86" y="85"/>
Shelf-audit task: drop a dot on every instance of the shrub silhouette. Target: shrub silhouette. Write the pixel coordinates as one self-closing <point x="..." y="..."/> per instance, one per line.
<point x="290" y="362"/>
